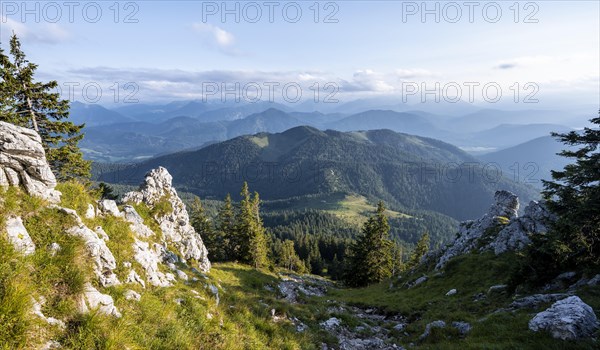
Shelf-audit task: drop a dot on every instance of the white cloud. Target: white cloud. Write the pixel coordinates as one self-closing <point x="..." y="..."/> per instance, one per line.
<point x="223" y="39"/>
<point x="45" y="33"/>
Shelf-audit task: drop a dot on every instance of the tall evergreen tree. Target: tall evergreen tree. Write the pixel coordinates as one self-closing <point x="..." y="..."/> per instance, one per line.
<point x="212" y="238"/>
<point x="258" y="246"/>
<point x="370" y="258"/>
<point x="574" y="198"/>
<point x="226" y="229"/>
<point x="31" y="104"/>
<point x="421" y="249"/>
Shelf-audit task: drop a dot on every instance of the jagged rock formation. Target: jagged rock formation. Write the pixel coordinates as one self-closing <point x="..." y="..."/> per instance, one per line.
<point x="104" y="261"/>
<point x="500" y="229"/>
<point x="566" y="319"/>
<point x="174" y="224"/>
<point x="23" y="162"/>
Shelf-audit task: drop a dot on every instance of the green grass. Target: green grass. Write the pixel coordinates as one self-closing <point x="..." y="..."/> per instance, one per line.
<point x="470" y="274"/>
<point x="243" y="319"/>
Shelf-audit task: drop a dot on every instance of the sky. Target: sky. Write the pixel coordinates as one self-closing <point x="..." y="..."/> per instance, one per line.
<point x="523" y="54"/>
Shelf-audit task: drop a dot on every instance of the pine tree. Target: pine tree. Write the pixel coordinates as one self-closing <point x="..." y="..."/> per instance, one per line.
<point x="370" y="258"/>
<point x="288" y="258"/>
<point x="421" y="249"/>
<point x="203" y="226"/>
<point x="244" y="222"/>
<point x="397" y="255"/>
<point x="30" y="104"/>
<point x="574" y="198"/>
<point x="258" y="246"/>
<point x="226" y="229"/>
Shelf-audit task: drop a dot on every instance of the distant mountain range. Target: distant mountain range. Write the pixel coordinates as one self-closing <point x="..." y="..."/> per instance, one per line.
<point x="530" y="162"/>
<point x="152" y="134"/>
<point x="407" y="171"/>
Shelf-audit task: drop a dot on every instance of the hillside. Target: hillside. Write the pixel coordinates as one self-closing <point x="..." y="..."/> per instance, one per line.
<point x="81" y="272"/>
<point x="406" y="171"/>
<point x="530" y="162"/>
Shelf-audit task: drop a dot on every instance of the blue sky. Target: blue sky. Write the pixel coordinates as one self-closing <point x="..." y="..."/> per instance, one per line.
<point x="371" y="50"/>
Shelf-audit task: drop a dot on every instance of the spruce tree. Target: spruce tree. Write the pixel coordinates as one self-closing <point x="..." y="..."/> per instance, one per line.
<point x="31" y="104"/>
<point x="226" y="229"/>
<point x="371" y="258"/>
<point x="244" y="225"/>
<point x="203" y="226"/>
<point x="258" y="245"/>
<point x="573" y="196"/>
<point x="421" y="249"/>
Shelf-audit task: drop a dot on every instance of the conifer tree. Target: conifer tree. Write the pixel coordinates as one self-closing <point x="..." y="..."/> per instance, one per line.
<point x="421" y="249"/>
<point x="203" y="226"/>
<point x="258" y="246"/>
<point x="27" y="103"/>
<point x="573" y="196"/>
<point x="226" y="229"/>
<point x="370" y="258"/>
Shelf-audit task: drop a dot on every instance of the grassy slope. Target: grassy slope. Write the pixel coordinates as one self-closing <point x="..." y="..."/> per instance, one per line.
<point x="242" y="320"/>
<point x="470" y="274"/>
<point x="156" y="322"/>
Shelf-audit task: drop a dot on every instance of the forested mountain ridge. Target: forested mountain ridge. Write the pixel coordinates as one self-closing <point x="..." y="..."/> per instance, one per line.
<point x="406" y="171"/>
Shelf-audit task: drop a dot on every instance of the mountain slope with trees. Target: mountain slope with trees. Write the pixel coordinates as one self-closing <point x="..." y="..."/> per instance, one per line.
<point x="406" y="171"/>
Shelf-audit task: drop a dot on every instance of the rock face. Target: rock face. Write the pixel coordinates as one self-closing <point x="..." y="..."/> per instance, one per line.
<point x="19" y="237"/>
<point x="500" y="229"/>
<point x="23" y="162"/>
<point x="566" y="319"/>
<point x="175" y="225"/>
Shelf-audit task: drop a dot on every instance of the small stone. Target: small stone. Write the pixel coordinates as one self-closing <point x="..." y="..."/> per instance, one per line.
<point x="451" y="292"/>
<point x="462" y="327"/>
<point x="331" y="323"/>
<point x="90" y="213"/>
<point x="132" y="295"/>
<point x="430" y="326"/>
<point x="18" y="236"/>
<point x="497" y="288"/>
<point x="54" y="248"/>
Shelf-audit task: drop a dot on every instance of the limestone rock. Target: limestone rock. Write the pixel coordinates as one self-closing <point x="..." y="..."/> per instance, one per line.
<point x="331" y="323"/>
<point x="19" y="237"/>
<point x="451" y="292"/>
<point x="108" y="206"/>
<point x="104" y="260"/>
<point x="175" y="225"/>
<point x="149" y="258"/>
<point x="462" y="327"/>
<point x="90" y="213"/>
<point x="535" y="300"/>
<point x="23" y="162"/>
<point x="136" y="223"/>
<point x="566" y="319"/>
<point x="133" y="277"/>
<point x="36" y="309"/>
<point x="500" y="229"/>
<point x="430" y="326"/>
<point x="92" y="299"/>
<point x="132" y="295"/>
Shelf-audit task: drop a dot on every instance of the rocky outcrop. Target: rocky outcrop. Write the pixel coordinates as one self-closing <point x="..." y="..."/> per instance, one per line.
<point x="150" y="258"/>
<point x="174" y="223"/>
<point x="567" y="319"/>
<point x="23" y="162"/>
<point x="18" y="236"/>
<point x="500" y="229"/>
<point x="104" y="260"/>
